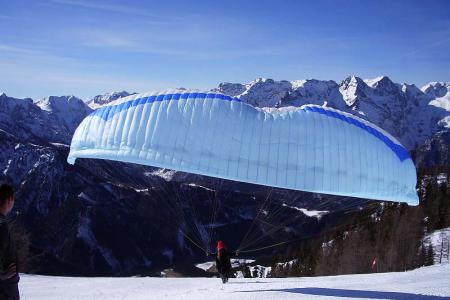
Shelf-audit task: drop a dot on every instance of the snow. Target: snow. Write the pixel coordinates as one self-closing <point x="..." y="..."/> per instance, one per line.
<point x="349" y="90"/>
<point x="310" y="213"/>
<point x="100" y="100"/>
<point x="200" y="186"/>
<point x="408" y="113"/>
<point x="441" y="92"/>
<point x="287" y="264"/>
<point x="440" y="241"/>
<point x="59" y="145"/>
<point x="296" y="84"/>
<point x="117" y="101"/>
<point x="372" y="82"/>
<point x="142" y="190"/>
<point x="206" y="265"/>
<point x="235" y="263"/>
<point x="8" y="164"/>
<point x="165" y="174"/>
<point x="424" y="283"/>
<point x="231" y="89"/>
<point x="263" y="92"/>
<point x="68" y="110"/>
<point x="443" y="102"/>
<point x="328" y="244"/>
<point x="445" y="122"/>
<point x="442" y="178"/>
<point x="259" y="271"/>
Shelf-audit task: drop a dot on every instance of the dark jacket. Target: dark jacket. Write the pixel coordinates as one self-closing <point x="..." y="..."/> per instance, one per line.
<point x="223" y="263"/>
<point x="8" y="261"/>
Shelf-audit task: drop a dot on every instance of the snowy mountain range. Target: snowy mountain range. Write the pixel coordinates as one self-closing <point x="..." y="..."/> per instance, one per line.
<point x="91" y="219"/>
<point x="411" y="114"/>
<point x="407" y="112"/>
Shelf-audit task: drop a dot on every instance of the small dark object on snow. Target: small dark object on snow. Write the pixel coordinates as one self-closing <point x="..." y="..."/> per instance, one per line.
<point x="223" y="263"/>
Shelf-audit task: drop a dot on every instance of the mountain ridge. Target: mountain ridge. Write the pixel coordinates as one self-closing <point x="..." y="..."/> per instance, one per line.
<point x="410" y="114"/>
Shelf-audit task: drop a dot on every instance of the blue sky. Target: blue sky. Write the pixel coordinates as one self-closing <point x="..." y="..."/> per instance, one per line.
<point x="84" y="48"/>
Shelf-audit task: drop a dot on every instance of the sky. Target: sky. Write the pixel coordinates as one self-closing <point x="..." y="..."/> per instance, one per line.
<point x="89" y="47"/>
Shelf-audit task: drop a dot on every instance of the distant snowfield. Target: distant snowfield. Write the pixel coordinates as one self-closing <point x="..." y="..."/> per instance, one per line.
<point x="310" y="213"/>
<point x="425" y="283"/>
<point x="234" y="263"/>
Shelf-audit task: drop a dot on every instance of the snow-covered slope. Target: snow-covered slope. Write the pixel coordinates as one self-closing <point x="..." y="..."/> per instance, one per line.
<point x="424" y="283"/>
<point x="440" y="91"/>
<point x="440" y="241"/>
<point x="68" y="111"/>
<point x="52" y="119"/>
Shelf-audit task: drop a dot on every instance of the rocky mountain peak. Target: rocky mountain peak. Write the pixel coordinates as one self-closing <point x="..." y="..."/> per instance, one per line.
<point x="106" y="98"/>
<point x="7" y="102"/>
<point x="231" y="89"/>
<point x="437" y="89"/>
<point x="353" y="89"/>
<point x="61" y="103"/>
<point x="411" y="90"/>
<point x="383" y="86"/>
<point x="313" y="91"/>
<point x="260" y="80"/>
<point x="66" y="110"/>
<point x="403" y="110"/>
<point x="353" y="80"/>
<point x="264" y="92"/>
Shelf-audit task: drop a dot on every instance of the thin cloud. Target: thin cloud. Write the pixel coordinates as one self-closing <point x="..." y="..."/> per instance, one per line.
<point x="122" y="9"/>
<point x="122" y="43"/>
<point x="21" y="54"/>
<point x="14" y="49"/>
<point x="190" y="42"/>
<point x="75" y="81"/>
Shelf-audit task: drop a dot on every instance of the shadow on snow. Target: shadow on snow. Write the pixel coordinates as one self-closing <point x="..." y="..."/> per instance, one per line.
<point x="351" y="293"/>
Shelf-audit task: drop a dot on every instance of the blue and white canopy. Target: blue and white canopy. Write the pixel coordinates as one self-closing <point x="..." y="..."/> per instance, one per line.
<point x="311" y="148"/>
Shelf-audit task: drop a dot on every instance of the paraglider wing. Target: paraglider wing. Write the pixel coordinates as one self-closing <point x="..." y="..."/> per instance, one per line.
<point x="310" y="148"/>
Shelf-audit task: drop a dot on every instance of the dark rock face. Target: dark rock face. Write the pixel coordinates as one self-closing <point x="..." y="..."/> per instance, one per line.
<point x="435" y="151"/>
